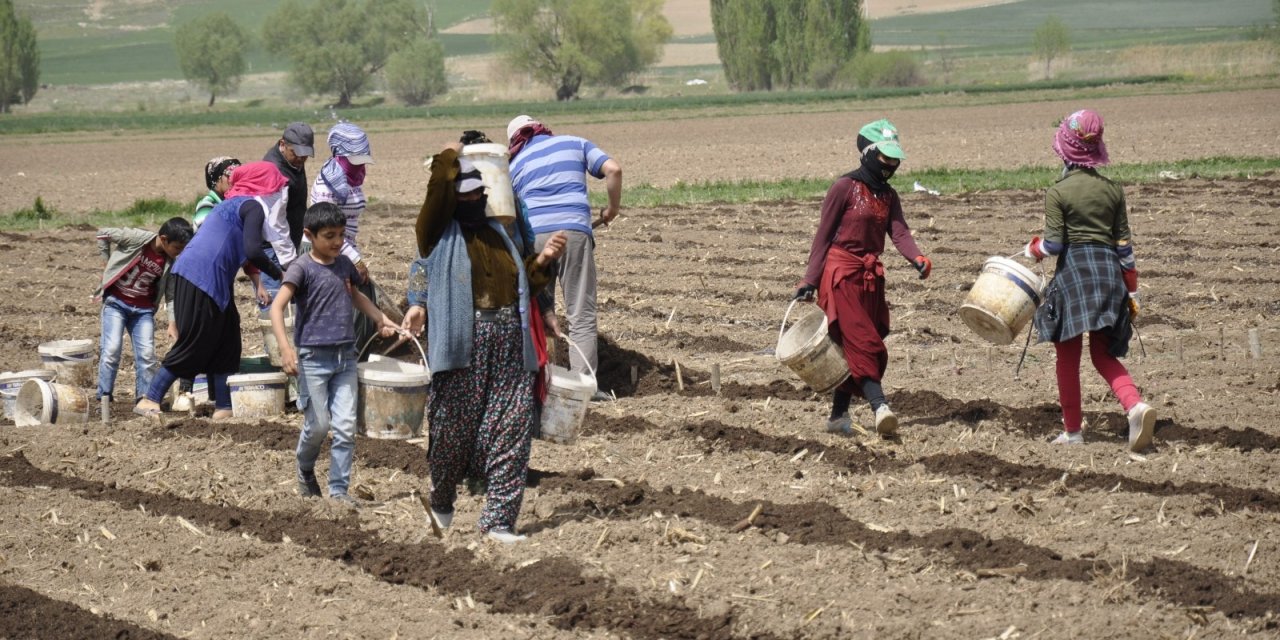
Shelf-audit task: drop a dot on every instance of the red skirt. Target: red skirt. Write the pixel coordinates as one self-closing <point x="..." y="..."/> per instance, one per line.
<point x="851" y="293"/>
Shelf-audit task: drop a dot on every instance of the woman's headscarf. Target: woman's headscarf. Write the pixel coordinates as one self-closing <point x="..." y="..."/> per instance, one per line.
<point x="259" y="178"/>
<point x="1079" y="140"/>
<point x="346" y="169"/>
<point x="215" y="168"/>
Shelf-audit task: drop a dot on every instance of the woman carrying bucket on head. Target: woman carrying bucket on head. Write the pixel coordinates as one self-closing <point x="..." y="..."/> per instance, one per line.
<point x="482" y="345"/>
<point x="1095" y="284"/>
<point x="860" y="209"/>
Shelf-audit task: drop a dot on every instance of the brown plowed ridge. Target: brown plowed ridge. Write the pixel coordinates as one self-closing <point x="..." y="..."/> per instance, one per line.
<point x="553" y="587"/>
<point x="820" y="523"/>
<point x="27" y="614"/>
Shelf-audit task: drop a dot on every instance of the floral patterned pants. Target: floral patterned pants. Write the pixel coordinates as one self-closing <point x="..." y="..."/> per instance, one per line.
<point x="482" y="423"/>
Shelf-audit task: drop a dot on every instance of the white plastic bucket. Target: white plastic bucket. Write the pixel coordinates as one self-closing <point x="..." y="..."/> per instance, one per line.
<point x="257" y="395"/>
<point x="269" y="339"/>
<point x="11" y="383"/>
<point x="392" y="397"/>
<point x="807" y="350"/>
<point x="568" y="394"/>
<point x="71" y="360"/>
<point x="1002" y="300"/>
<point x="495" y="173"/>
<point x="44" y="402"/>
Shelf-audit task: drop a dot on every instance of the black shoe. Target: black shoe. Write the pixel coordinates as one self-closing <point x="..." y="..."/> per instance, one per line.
<point x="307" y="485"/>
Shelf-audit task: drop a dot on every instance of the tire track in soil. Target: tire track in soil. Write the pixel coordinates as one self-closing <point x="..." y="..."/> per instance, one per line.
<point x="552" y="587"/>
<point x="29" y="614"/>
<point x="820" y="523"/>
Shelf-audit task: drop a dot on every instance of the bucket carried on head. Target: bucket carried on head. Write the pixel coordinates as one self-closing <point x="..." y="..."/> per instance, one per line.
<point x="1002" y="300"/>
<point x="568" y="394"/>
<point x="808" y="350"/>
<point x="43" y="402"/>
<point x="11" y="383"/>
<point x="495" y="172"/>
<point x="71" y="360"/>
<point x="392" y="395"/>
<point x="257" y="395"/>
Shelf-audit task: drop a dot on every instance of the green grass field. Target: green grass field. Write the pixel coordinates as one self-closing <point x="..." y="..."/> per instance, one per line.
<point x="134" y="42"/>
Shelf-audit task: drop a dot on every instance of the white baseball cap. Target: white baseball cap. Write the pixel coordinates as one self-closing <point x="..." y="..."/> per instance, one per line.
<point x="518" y="123"/>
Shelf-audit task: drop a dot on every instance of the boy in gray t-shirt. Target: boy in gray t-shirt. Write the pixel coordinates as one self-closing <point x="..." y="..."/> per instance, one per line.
<point x="323" y="281"/>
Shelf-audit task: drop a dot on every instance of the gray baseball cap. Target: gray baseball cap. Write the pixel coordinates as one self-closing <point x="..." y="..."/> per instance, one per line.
<point x="300" y="138"/>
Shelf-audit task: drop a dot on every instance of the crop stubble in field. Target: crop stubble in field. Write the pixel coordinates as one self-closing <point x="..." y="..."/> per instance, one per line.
<point x="971" y="482"/>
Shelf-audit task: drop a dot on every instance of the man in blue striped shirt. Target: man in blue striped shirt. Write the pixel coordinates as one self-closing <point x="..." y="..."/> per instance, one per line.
<point x="549" y="173"/>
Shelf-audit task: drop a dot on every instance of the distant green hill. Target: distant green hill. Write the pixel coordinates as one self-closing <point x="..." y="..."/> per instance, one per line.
<point x="134" y="42"/>
<point x="131" y="42"/>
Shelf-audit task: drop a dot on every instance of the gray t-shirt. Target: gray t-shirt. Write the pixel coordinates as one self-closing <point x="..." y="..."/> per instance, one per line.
<point x="325" y="306"/>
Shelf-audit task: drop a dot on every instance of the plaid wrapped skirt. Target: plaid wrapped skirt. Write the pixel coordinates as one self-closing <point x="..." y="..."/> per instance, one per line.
<point x="1087" y="293"/>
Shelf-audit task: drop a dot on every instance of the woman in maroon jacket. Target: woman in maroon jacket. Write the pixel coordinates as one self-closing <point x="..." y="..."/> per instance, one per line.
<point x="845" y="271"/>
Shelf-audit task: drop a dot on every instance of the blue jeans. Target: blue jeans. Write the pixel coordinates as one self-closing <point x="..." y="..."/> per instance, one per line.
<point x="327" y="399"/>
<point x="117" y="318"/>
<point x="270" y="284"/>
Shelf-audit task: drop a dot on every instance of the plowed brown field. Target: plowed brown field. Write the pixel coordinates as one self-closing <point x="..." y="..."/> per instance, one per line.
<point x="969" y="526"/>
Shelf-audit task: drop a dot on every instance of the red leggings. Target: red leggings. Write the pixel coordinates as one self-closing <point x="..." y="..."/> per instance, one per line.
<point x="1068" y="370"/>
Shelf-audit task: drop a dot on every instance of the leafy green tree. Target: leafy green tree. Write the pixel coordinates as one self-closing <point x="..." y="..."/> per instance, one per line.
<point x="765" y="44"/>
<point x="567" y="43"/>
<point x="211" y="53"/>
<point x="415" y="74"/>
<point x="19" y="57"/>
<point x="1051" y="40"/>
<point x="336" y="46"/>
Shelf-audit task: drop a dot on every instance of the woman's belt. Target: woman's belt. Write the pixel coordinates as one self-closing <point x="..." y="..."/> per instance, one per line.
<point x="502" y="314"/>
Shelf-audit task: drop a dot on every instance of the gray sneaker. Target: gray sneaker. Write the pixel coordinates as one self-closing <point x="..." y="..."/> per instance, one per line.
<point x="1142" y="425"/>
<point x="840" y="426"/>
<point x="346" y="499"/>
<point x="886" y="422"/>
<point x="307" y="485"/>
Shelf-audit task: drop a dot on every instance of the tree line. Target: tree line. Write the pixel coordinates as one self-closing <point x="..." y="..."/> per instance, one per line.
<point x="19" y="58"/>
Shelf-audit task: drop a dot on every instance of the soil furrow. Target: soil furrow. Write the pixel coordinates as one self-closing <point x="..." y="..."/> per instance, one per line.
<point x="28" y="614"/>
<point x="553" y="587"/>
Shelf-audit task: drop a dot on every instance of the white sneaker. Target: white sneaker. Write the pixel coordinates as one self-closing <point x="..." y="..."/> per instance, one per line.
<point x="505" y="536"/>
<point x="886" y="422"/>
<point x="1067" y="437"/>
<point x="842" y="425"/>
<point x="182" y="403"/>
<point x="1142" y="425"/>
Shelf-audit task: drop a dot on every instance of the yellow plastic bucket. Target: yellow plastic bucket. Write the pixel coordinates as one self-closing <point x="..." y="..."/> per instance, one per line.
<point x="1002" y="301"/>
<point x="808" y="351"/>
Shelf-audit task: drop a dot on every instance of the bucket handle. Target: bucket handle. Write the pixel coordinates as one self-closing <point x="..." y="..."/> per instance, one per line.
<point x="403" y="334"/>
<point x="580" y="354"/>
<point x="782" y="329"/>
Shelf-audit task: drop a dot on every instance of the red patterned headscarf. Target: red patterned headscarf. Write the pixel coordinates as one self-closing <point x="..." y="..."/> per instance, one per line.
<point x="1079" y="140"/>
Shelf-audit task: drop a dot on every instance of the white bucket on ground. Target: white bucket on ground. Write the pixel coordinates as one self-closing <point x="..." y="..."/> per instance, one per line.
<point x="11" y="383"/>
<point x="1002" y="300"/>
<point x="568" y="394"/>
<point x="809" y="351"/>
<point x="495" y="173"/>
<point x="43" y="402"/>
<point x="392" y="397"/>
<point x="257" y="395"/>
<point x="71" y="360"/>
<point x="269" y="339"/>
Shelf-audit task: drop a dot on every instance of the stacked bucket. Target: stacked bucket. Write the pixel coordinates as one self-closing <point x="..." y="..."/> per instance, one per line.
<point x="58" y="392"/>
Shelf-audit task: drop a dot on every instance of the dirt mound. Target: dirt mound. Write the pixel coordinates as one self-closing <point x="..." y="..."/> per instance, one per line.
<point x="27" y="614"/>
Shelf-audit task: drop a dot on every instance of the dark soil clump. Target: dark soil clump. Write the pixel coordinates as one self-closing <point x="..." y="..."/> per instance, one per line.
<point x="27" y="614"/>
